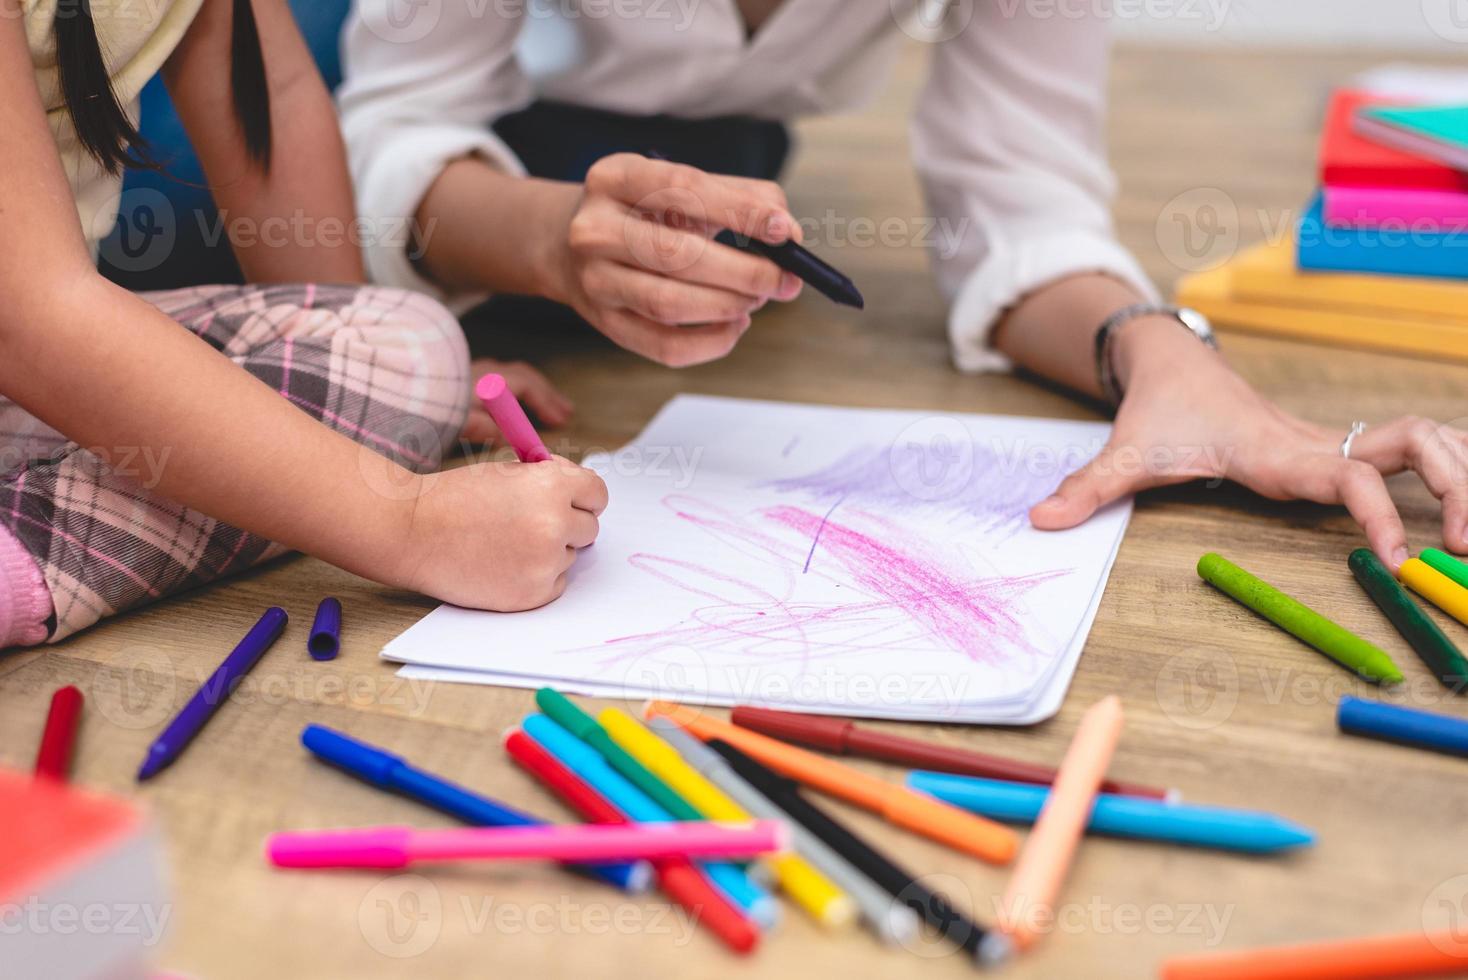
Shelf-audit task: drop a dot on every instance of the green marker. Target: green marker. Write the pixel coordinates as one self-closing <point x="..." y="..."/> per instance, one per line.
<point x="561" y="711"/>
<point x="1336" y="642"/>
<point x="1437" y="651"/>
<point x="1447" y="564"/>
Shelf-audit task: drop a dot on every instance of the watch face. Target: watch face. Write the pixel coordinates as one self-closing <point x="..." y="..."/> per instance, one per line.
<point x="1196" y="322"/>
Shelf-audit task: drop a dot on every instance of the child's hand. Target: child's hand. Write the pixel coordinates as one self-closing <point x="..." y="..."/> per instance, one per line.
<point x="534" y="390"/>
<point x="501" y="535"/>
<point x="1188" y="416"/>
<point x="637" y="261"/>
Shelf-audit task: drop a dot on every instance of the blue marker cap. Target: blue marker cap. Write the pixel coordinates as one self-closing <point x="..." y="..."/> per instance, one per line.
<point x="325" y="641"/>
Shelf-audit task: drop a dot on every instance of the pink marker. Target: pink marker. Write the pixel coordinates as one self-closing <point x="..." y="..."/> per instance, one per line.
<point x="502" y="406"/>
<point x="398" y="847"/>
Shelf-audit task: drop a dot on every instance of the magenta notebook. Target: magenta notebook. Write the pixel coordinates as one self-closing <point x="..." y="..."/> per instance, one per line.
<point x="1375" y="207"/>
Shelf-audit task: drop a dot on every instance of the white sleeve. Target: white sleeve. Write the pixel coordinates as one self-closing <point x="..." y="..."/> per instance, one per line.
<point x="1009" y="139"/>
<point x="424" y="81"/>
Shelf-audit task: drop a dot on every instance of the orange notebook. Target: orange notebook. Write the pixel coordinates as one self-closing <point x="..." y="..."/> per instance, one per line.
<point x="1214" y="294"/>
<point x="81" y="896"/>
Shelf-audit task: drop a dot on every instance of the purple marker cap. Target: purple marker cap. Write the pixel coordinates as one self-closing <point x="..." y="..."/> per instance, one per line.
<point x="326" y="640"/>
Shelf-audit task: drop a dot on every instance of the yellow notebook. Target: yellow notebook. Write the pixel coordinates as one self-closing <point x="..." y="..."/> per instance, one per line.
<point x="1212" y="293"/>
<point x="1267" y="274"/>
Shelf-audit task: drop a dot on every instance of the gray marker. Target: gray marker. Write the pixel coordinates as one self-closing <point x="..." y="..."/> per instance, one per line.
<point x="892" y="921"/>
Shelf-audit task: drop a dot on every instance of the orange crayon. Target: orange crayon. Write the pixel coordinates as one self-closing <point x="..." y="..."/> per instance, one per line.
<point x="1035" y="885"/>
<point x="921" y="814"/>
<point x="1412" y="954"/>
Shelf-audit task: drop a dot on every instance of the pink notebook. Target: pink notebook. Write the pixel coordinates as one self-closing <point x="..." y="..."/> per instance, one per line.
<point x="1373" y="207"/>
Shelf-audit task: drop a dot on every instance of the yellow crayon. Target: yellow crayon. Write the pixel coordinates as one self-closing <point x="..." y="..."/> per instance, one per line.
<point x="1436" y="588"/>
<point x="805" y="885"/>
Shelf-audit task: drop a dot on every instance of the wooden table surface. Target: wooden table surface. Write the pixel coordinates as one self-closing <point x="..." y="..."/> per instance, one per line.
<point x="1219" y="704"/>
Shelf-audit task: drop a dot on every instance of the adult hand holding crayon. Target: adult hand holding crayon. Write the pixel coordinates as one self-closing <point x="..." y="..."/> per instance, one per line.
<point x="635" y="257"/>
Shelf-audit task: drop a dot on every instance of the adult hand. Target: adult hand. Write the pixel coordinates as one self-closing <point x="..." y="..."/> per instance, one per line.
<point x="635" y="257"/>
<point x="1188" y="416"/>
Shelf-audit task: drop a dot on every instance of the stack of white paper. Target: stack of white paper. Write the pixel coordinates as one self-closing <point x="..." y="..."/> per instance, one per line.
<point x="835" y="560"/>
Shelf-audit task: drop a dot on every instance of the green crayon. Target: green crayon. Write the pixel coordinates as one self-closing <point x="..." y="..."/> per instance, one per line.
<point x="1447" y="564"/>
<point x="1438" y="652"/>
<point x="1336" y="642"/>
<point x="561" y="711"/>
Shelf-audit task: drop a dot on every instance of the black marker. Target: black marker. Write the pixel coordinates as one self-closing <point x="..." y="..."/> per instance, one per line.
<point x="799" y="262"/>
<point x="988" y="948"/>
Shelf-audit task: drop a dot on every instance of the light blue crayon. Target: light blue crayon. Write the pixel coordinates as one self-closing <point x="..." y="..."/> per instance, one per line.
<point x="638" y="807"/>
<point x="1123" y="816"/>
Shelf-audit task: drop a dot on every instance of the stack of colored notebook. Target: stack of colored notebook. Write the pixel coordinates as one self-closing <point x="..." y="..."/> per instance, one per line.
<point x="1379" y="257"/>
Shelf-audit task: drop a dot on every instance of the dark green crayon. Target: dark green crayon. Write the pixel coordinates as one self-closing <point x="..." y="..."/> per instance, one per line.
<point x="1442" y="657"/>
<point x="1447" y="564"/>
<point x="1294" y="617"/>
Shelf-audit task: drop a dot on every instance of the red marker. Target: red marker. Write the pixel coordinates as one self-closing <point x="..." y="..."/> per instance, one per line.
<point x="53" y="761"/>
<point x="682" y="882"/>
<point x="502" y="406"/>
<point x="844" y="738"/>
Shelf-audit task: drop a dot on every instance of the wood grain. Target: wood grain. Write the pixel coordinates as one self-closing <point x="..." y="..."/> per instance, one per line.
<point x="1220" y="704"/>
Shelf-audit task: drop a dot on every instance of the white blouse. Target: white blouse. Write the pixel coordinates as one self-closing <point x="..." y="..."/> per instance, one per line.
<point x="1007" y="135"/>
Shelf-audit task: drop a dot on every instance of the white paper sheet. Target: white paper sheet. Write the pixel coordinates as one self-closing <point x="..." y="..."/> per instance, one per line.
<point x="850" y="561"/>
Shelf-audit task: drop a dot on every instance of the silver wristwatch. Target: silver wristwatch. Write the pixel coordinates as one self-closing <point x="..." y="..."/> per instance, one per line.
<point x="1196" y="323"/>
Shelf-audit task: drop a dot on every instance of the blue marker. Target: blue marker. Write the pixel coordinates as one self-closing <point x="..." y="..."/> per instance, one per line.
<point x="1123" y="816"/>
<point x="391" y="772"/>
<point x="637" y="806"/>
<point x="1408" y="726"/>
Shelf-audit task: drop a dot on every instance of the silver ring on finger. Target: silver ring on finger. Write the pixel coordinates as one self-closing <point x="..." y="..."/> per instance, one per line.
<point x="1356" y="429"/>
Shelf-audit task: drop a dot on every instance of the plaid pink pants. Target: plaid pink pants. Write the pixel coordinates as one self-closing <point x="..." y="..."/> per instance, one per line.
<point x="387" y="368"/>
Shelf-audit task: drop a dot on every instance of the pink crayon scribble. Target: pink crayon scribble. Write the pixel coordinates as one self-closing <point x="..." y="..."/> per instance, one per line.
<point x="905" y="594"/>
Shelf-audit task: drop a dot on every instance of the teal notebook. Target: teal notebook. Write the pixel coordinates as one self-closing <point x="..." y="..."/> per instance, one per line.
<point x="1435" y="132"/>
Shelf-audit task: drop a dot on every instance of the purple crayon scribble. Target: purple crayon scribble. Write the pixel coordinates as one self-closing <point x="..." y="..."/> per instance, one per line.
<point x="996" y="491"/>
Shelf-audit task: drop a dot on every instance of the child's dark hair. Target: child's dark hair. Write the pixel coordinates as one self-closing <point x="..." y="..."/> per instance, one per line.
<point x="101" y="123"/>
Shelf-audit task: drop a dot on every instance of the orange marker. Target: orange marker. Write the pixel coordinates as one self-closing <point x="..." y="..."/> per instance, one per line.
<point x="1413" y="954"/>
<point x="922" y="814"/>
<point x="1030" y="899"/>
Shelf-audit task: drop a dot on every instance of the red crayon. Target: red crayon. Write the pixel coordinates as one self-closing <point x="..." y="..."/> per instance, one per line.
<point x="682" y="882"/>
<point x="53" y="761"/>
<point x="843" y="737"/>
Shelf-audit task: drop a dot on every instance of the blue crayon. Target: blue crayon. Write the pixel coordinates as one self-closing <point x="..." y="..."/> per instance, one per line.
<point x="1407" y="726"/>
<point x="638" y="807"/>
<point x="372" y="765"/>
<point x="1123" y="816"/>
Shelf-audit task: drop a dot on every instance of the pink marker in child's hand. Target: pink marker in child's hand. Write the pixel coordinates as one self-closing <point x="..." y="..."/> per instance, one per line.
<point x="500" y="402"/>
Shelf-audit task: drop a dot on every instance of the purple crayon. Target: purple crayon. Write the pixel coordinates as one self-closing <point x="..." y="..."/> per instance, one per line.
<point x="325" y="641"/>
<point x="212" y="693"/>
